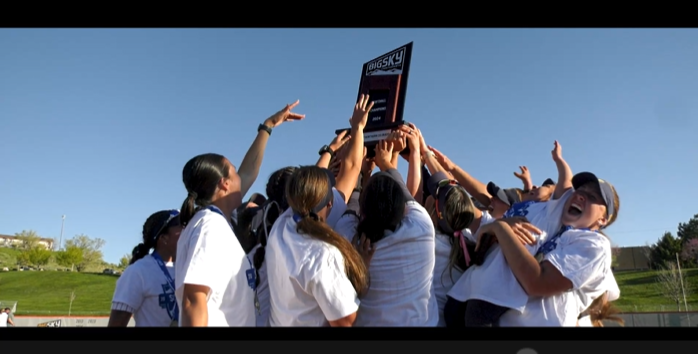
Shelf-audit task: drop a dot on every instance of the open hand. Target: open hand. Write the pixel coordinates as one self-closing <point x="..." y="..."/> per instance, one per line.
<point x="284" y="115"/>
<point x="384" y="155"/>
<point x="361" y="110"/>
<point x="340" y="140"/>
<point x="443" y="160"/>
<point x="524" y="175"/>
<point x="398" y="139"/>
<point x="523" y="229"/>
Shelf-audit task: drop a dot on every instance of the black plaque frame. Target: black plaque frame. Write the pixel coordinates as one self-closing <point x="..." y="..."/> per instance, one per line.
<point x="386" y="78"/>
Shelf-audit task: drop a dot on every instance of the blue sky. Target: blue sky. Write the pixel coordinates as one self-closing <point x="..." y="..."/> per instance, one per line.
<point x="97" y="124"/>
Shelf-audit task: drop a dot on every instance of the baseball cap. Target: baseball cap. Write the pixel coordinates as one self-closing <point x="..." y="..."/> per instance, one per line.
<point x="548" y="182"/>
<point x="508" y="196"/>
<point x="605" y="188"/>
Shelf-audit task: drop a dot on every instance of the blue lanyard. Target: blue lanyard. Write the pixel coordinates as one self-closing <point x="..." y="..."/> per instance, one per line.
<point x="160" y="263"/>
<point x="549" y="244"/>
<point x="250" y="273"/>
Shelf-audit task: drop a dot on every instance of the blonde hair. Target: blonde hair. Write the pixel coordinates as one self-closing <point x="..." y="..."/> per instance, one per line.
<point x="306" y="188"/>
<point x="602" y="310"/>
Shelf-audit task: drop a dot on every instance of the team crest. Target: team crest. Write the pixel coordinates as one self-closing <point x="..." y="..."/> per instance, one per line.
<point x="167" y="300"/>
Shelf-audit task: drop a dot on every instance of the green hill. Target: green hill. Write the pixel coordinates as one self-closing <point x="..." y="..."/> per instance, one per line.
<point x="49" y="292"/>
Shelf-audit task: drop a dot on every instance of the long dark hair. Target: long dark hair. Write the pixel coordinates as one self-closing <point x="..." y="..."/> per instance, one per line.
<point x="307" y="188"/>
<point x="382" y="203"/>
<point x="154" y="223"/>
<point x="201" y="175"/>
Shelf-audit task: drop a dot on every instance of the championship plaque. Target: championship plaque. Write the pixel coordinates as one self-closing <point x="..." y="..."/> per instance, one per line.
<point x="384" y="79"/>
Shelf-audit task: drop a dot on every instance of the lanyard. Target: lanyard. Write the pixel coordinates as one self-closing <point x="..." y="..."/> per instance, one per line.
<point x="251" y="273"/>
<point x="160" y="263"/>
<point x="550" y="244"/>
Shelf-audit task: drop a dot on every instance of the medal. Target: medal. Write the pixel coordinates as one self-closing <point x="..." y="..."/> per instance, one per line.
<point x="256" y="304"/>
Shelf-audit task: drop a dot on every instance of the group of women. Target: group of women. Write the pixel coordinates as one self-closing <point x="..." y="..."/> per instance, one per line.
<point x="337" y="244"/>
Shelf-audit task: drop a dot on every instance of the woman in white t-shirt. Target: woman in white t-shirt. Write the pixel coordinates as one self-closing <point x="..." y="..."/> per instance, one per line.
<point x="570" y="268"/>
<point x="401" y="292"/>
<point x="315" y="275"/>
<point x="255" y="225"/>
<point x="146" y="288"/>
<point x="216" y="282"/>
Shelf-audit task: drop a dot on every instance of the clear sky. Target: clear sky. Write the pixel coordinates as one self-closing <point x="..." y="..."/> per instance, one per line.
<point x="97" y="124"/>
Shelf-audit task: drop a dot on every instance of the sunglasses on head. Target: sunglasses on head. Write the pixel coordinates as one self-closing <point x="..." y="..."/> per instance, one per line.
<point x="444" y="183"/>
<point x="173" y="214"/>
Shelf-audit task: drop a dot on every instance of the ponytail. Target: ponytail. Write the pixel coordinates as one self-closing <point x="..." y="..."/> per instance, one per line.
<point x="354" y="265"/>
<point x="139" y="252"/>
<point x="602" y="310"/>
<point x="188" y="209"/>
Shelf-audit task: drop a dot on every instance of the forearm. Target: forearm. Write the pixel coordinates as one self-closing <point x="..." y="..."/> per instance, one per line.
<point x="395" y="158"/>
<point x="414" y="173"/>
<point x="324" y="160"/>
<point x="564" y="178"/>
<point x="525" y="267"/>
<point x="527" y="184"/>
<point x="249" y="167"/>
<point x="474" y="187"/>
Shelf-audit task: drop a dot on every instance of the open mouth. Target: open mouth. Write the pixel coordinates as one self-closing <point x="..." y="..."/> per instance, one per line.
<point x="575" y="210"/>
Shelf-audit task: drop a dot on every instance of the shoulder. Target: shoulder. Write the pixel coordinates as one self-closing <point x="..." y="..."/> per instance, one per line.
<point x="137" y="268"/>
<point x="590" y="238"/>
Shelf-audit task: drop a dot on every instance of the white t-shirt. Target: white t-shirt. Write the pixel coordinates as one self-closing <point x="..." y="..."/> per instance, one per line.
<point x="308" y="286"/>
<point x="583" y="257"/>
<point x="443" y="277"/>
<point x="209" y="254"/>
<point x="3" y="319"/>
<point x="402" y="271"/>
<point x="144" y="291"/>
<point x="477" y="281"/>
<point x="262" y="291"/>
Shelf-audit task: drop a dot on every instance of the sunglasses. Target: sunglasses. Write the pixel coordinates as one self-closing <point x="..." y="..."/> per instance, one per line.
<point x="173" y="214"/>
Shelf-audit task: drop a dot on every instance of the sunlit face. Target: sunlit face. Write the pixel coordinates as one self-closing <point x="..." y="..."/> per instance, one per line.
<point x="498" y="207"/>
<point x="233" y="186"/>
<point x="585" y="208"/>
<point x="540" y="194"/>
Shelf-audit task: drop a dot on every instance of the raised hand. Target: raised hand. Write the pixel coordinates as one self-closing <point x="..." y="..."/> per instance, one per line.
<point x="339" y="140"/>
<point x="524" y="175"/>
<point x="557" y="152"/>
<point x="414" y="138"/>
<point x="384" y="155"/>
<point x="398" y="139"/>
<point x="361" y="110"/>
<point x="284" y="115"/>
<point x="443" y="160"/>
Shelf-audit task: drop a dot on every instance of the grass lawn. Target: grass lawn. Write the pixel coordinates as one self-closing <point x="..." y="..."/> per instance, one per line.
<point x="639" y="292"/>
<point x="48" y="292"/>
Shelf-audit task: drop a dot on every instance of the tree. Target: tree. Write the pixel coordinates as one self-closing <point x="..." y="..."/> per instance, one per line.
<point x="688" y="231"/>
<point x="91" y="250"/>
<point x="124" y="261"/>
<point x="28" y="239"/>
<point x="665" y="250"/>
<point x="689" y="253"/>
<point x="70" y="256"/>
<point x="673" y="285"/>
<point x="36" y="256"/>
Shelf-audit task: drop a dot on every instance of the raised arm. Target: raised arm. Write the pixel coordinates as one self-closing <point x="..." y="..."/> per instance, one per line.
<point x="333" y="149"/>
<point x="249" y="167"/>
<point x="525" y="177"/>
<point x="474" y="187"/>
<point x="414" y="172"/>
<point x="564" y="172"/>
<point x="351" y="166"/>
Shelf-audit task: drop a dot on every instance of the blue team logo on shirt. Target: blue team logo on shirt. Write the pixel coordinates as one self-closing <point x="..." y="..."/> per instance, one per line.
<point x="518" y="209"/>
<point x="167" y="300"/>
